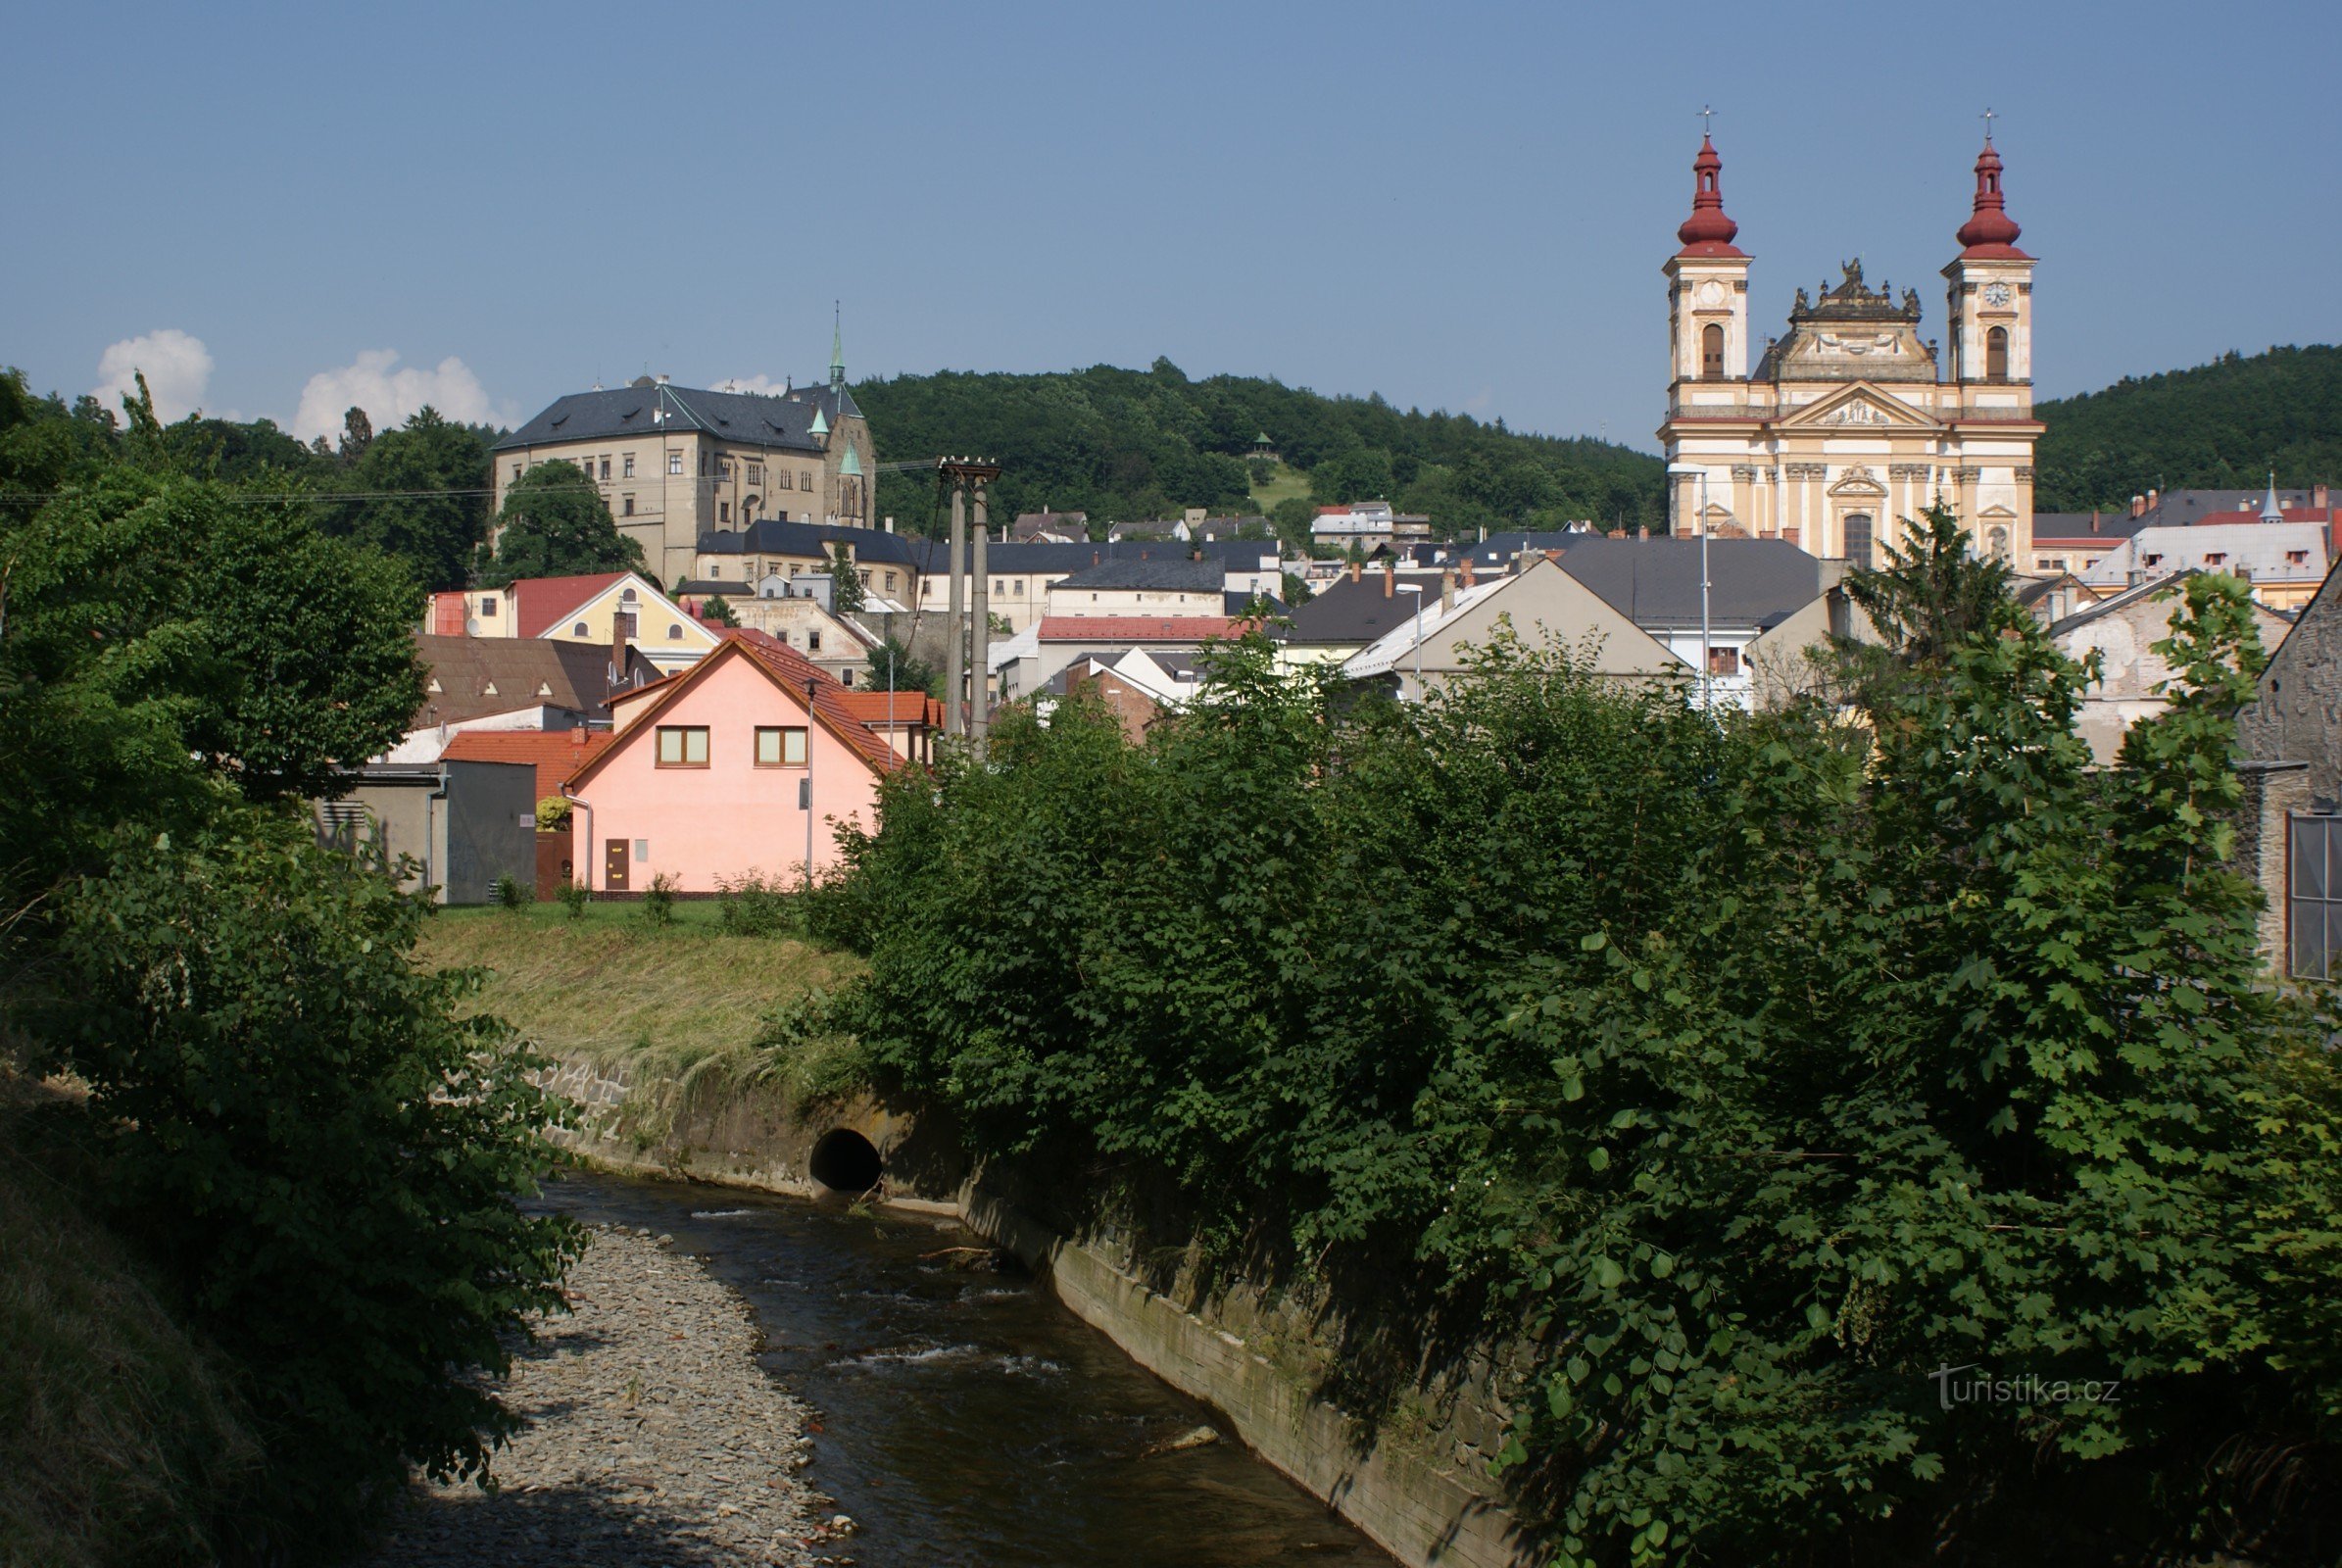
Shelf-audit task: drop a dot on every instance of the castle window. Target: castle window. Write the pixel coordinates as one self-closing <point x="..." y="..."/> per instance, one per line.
<point x="674" y="463"/>
<point x="1711" y="353"/>
<point x="1858" y="539"/>
<point x="1996" y="354"/>
<point x="628" y="503"/>
<point x="627" y="465"/>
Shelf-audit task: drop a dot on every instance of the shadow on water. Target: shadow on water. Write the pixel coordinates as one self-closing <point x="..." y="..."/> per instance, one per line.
<point x="967" y="1418"/>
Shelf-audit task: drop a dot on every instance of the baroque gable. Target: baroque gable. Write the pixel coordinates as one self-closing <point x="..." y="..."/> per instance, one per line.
<point x="1861" y="407"/>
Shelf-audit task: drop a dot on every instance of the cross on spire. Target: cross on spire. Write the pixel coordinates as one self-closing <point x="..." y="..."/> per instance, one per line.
<point x="1707" y="119"/>
<point x="1988" y="117"/>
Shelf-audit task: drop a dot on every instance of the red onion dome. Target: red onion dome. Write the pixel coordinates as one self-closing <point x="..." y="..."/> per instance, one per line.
<point x="1989" y="231"/>
<point x="1707" y="231"/>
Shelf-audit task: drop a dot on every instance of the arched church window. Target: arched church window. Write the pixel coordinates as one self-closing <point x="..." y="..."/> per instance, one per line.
<point x="1996" y="354"/>
<point x="1858" y="539"/>
<point x="1711" y="353"/>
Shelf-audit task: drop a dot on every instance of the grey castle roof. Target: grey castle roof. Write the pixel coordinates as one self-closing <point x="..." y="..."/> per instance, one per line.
<point x="783" y="419"/>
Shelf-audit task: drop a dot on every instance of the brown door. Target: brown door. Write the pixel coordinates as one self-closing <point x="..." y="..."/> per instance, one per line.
<point x="613" y="867"/>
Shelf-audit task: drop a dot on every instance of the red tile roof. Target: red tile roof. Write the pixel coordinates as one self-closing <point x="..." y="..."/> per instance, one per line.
<point x="542" y="602"/>
<point x="904" y="708"/>
<point x="1138" y="628"/>
<point x="788" y="668"/>
<point x="555" y="754"/>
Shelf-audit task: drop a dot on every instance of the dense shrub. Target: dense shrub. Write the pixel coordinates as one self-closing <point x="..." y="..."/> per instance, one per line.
<point x="1754" y="1071"/>
<point x="316" y="1154"/>
<point x="755" y="906"/>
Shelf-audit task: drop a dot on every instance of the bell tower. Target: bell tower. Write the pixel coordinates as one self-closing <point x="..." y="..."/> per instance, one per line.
<point x="1990" y="305"/>
<point x="1707" y="317"/>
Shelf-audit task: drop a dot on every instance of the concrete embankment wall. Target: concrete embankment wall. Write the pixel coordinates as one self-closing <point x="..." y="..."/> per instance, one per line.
<point x="1416" y="1483"/>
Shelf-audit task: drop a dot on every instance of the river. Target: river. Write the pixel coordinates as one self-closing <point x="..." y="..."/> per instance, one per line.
<point x="968" y="1418"/>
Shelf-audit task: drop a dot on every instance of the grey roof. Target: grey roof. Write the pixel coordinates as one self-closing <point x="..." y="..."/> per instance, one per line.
<point x="1172" y="575"/>
<point x="2061" y="526"/>
<point x="783" y="419"/>
<point x="1655" y="582"/>
<point x="768" y="536"/>
<point x="1346" y="611"/>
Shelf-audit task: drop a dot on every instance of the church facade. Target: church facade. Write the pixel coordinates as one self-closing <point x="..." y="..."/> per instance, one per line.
<point x="1850" y="421"/>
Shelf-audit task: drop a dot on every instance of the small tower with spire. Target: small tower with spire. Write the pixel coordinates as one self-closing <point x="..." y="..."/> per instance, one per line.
<point x="1707" y="314"/>
<point x="2270" y="509"/>
<point x="1990" y="303"/>
<point x="837" y="350"/>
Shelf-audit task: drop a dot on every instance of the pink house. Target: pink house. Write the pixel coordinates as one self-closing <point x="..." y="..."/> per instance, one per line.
<point x="742" y="763"/>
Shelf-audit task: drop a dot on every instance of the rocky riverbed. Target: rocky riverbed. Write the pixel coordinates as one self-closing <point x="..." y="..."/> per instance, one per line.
<point x="654" y="1438"/>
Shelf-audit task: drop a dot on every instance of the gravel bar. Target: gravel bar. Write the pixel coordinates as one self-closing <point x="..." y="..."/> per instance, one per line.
<point x="653" y="1437"/>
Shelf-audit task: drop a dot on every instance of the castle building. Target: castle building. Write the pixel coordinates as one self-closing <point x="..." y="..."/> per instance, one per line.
<point x="1850" y="421"/>
<point x="677" y="463"/>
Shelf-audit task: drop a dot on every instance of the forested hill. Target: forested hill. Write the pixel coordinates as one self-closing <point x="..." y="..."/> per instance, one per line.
<point x="2224" y="425"/>
<point x="1123" y="444"/>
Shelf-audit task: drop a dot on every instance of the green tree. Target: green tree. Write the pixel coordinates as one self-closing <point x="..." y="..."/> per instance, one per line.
<point x="894" y="668"/>
<point x="847" y="595"/>
<point x="427" y="481"/>
<point x="556" y="524"/>
<point x="348" y="1255"/>
<point x="717" y="612"/>
<point x="358" y="434"/>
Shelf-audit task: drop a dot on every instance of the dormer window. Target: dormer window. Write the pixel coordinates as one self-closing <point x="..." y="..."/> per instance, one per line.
<point x="2150" y="560"/>
<point x="2216" y="558"/>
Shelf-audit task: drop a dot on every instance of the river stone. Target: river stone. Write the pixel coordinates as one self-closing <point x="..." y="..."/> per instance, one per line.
<point x="603" y="1389"/>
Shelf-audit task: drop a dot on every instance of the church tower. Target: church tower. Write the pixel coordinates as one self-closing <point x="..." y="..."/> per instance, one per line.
<point x="1707" y="319"/>
<point x="1989" y="308"/>
<point x="1990" y="301"/>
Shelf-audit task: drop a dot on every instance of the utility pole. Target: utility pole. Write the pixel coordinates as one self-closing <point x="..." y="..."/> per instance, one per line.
<point x="980" y="635"/>
<point x="963" y="475"/>
<point x="956" y="638"/>
<point x="1706" y="656"/>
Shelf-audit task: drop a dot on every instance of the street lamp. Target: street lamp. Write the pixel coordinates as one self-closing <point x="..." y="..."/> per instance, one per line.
<point x="1416" y="590"/>
<point x="1706" y="658"/>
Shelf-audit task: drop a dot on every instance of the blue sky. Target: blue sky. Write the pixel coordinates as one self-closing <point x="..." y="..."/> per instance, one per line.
<point x="279" y="211"/>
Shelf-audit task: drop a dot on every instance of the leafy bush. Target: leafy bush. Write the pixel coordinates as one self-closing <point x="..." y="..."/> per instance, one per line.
<point x="319" y="1155"/>
<point x="755" y="906"/>
<point x="511" y="893"/>
<point x="575" y="897"/>
<point x="658" y="900"/>
<point x="1749" y="1073"/>
<point x="552" y="813"/>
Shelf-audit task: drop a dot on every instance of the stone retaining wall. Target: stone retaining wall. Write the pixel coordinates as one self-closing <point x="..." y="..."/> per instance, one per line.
<point x="1421" y="1492"/>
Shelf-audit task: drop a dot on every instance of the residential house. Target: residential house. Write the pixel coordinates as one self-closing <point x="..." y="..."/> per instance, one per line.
<point x="1366" y="524"/>
<point x="908" y="722"/>
<point x="1050" y="527"/>
<point x="2074" y="541"/>
<point x="744" y="764"/>
<point x="675" y="463"/>
<point x="888" y="565"/>
<point x="2284" y="561"/>
<point x="479" y="683"/>
<point x="453" y="828"/>
<point x="1026" y="664"/>
<point x="2123" y="630"/>
<point x="1170" y="586"/>
<point x="1541" y="603"/>
<point x="588" y="608"/>
<point x="2290" y="832"/>
<point x="555" y="755"/>
<point x="794" y="611"/>
<point x="1352" y="611"/>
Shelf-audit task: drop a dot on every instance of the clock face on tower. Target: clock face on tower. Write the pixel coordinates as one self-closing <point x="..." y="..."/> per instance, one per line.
<point x="1996" y="294"/>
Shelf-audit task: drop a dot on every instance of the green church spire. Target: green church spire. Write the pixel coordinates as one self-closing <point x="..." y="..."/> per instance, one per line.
<point x="837" y="348"/>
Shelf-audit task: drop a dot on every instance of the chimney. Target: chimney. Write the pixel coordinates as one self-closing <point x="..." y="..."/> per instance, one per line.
<point x="2318" y="497"/>
<point x="1448" y="590"/>
<point x="2093" y="519"/>
<point x="2138" y="506"/>
<point x="1642" y="530"/>
<point x="2153" y="500"/>
<point x="621" y="632"/>
<point x="1353" y="571"/>
<point x="1094" y="558"/>
<point x="890" y="526"/>
<point x="1389" y="579"/>
<point x="1467" y="570"/>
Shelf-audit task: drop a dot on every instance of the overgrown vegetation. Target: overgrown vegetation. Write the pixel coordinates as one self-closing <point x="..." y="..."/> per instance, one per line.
<point x="1768" y="1079"/>
<point x="1124" y="444"/>
<point x="292" y="1138"/>
<point x="2220" y="426"/>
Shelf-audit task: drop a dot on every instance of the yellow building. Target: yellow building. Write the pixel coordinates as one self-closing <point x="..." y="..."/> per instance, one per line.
<point x="677" y="463"/>
<point x="1850" y="421"/>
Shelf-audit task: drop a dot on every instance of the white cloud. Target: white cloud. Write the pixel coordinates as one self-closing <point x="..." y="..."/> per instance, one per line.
<point x="763" y="384"/>
<point x="389" y="395"/>
<point x="178" y="368"/>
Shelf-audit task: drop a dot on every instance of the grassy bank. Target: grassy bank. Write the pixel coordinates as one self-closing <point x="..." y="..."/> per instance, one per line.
<point x="610" y="987"/>
<point x="119" y="1440"/>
